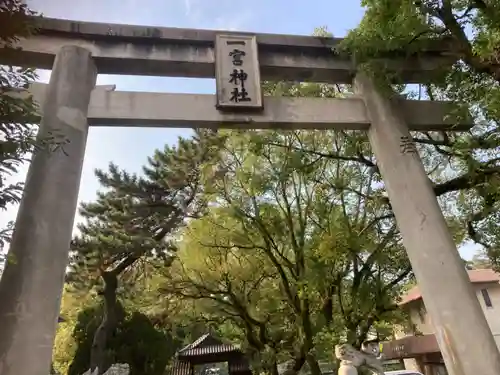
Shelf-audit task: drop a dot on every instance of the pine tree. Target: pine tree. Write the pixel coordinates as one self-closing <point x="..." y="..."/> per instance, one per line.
<point x="133" y="223"/>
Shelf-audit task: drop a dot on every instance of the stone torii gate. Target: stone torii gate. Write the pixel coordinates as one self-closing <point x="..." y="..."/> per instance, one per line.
<point x="76" y="52"/>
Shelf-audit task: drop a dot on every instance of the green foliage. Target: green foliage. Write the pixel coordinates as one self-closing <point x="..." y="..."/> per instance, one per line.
<point x="300" y="250"/>
<point x="134" y="218"/>
<point x="64" y="346"/>
<point x="136" y="341"/>
<point x="83" y="333"/>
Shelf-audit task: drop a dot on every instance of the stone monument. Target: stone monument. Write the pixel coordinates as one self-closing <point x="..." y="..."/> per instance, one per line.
<point x="351" y="359"/>
<point x="116" y="369"/>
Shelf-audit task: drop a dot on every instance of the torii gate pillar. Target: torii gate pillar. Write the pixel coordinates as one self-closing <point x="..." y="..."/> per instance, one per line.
<point x="462" y="332"/>
<point x="31" y="288"/>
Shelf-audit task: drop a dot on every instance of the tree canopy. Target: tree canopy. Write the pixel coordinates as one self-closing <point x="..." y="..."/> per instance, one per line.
<point x="296" y="249"/>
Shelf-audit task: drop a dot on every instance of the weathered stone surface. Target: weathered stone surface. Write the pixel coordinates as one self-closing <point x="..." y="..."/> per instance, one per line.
<point x="31" y="287"/>
<point x="351" y="359"/>
<point x="174" y="52"/>
<point x="347" y="370"/>
<point x="127" y="108"/>
<point x="461" y="328"/>
<point x="116" y="369"/>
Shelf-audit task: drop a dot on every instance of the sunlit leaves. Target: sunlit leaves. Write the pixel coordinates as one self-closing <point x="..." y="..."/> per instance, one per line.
<point x="297" y="216"/>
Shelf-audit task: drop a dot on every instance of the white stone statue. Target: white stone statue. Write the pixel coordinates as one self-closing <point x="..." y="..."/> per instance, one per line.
<point x="351" y="359"/>
<point x="116" y="369"/>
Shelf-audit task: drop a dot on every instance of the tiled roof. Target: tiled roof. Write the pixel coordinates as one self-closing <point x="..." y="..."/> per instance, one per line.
<point x="181" y="368"/>
<point x="206" y="344"/>
<point x="213" y="349"/>
<point x="195" y="343"/>
<point x="476" y="277"/>
<point x="210" y="349"/>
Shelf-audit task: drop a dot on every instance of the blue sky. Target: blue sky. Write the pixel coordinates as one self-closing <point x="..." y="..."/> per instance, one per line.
<point x="129" y="147"/>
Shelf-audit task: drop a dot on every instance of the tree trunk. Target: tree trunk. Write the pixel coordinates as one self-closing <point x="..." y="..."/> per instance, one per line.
<point x="273" y="369"/>
<point x="313" y="365"/>
<point x="107" y="326"/>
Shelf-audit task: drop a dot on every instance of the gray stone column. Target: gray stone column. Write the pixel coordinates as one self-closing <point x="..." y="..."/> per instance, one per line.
<point x="465" y="340"/>
<point x="32" y="282"/>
